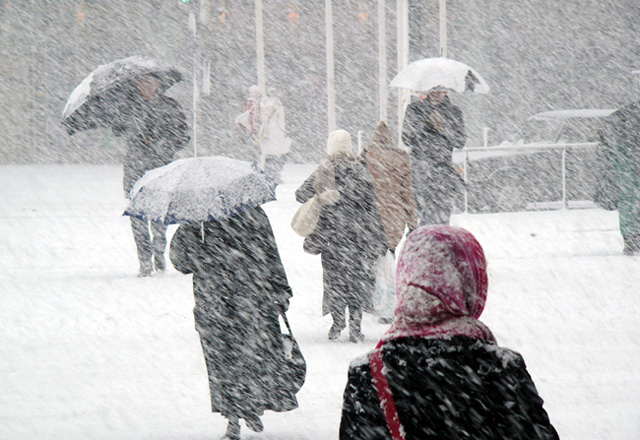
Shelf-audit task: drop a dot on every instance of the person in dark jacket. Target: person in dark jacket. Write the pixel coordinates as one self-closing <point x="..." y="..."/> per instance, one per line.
<point x="349" y="235"/>
<point x="438" y="369"/>
<point x="432" y="128"/>
<point x="620" y="151"/>
<point x="240" y="288"/>
<point x="155" y="128"/>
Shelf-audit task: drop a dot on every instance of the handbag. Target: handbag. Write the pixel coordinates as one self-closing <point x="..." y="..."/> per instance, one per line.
<point x="305" y="219"/>
<point x="294" y="365"/>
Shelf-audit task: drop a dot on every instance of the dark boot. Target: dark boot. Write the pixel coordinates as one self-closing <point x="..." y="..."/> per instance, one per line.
<point x="338" y="325"/>
<point x="631" y="244"/>
<point x="355" y="322"/>
<point x="233" y="429"/>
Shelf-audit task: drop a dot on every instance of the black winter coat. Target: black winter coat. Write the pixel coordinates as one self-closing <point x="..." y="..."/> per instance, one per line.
<point x="349" y="236"/>
<point x="155" y="131"/>
<point x="238" y="282"/>
<point x="458" y="388"/>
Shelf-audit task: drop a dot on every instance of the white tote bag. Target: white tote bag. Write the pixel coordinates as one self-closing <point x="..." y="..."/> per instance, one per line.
<point x="305" y="219"/>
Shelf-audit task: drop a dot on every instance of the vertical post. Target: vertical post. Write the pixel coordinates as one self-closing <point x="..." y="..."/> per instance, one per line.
<point x="193" y="38"/>
<point x="262" y="81"/>
<point x="443" y="28"/>
<point x="403" y="56"/>
<point x="331" y="80"/>
<point x="564" y="177"/>
<point x="383" y="95"/>
<point x="465" y="171"/>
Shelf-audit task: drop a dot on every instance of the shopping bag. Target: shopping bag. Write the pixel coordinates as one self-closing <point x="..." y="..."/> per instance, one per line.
<point x="305" y="219"/>
<point x="294" y="368"/>
<point x="384" y="296"/>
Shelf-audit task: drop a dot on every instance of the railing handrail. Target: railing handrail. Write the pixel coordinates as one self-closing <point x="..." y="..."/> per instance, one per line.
<point x="562" y="146"/>
<point x="531" y="146"/>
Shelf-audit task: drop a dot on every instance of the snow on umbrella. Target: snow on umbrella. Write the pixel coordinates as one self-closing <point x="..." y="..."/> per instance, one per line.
<point x="425" y="74"/>
<point x="200" y="189"/>
<point x="104" y="93"/>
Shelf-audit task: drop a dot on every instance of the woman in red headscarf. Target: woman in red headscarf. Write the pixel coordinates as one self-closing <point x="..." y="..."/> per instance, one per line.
<point x="438" y="372"/>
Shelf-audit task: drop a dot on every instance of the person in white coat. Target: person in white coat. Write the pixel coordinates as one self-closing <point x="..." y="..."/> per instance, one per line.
<point x="274" y="143"/>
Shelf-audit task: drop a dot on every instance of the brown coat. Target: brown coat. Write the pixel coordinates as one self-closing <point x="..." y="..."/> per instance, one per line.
<point x="390" y="168"/>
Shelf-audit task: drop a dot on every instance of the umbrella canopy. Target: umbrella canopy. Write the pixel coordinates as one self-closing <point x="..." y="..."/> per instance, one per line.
<point x="200" y="189"/>
<point x="424" y="75"/>
<point x="104" y="93"/>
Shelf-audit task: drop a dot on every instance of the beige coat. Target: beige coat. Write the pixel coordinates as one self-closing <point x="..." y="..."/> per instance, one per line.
<point x="390" y="168"/>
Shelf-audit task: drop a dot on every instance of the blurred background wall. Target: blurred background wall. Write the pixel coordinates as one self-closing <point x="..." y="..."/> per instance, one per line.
<point x="536" y="55"/>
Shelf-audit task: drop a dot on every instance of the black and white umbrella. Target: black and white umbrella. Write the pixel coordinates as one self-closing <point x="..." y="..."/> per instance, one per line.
<point x="200" y="189"/>
<point x="106" y="91"/>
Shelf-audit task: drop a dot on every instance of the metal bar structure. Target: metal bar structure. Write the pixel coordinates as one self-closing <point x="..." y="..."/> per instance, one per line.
<point x="262" y="80"/>
<point x="563" y="147"/>
<point x="331" y="78"/>
<point x="383" y="94"/>
<point x="402" y="12"/>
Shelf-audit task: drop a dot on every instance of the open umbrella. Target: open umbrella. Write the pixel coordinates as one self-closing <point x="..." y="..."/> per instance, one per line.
<point x="104" y="93"/>
<point x="199" y="189"/>
<point x="424" y="75"/>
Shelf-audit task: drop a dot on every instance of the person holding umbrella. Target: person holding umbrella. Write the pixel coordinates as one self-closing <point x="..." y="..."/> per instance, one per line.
<point x="433" y="127"/>
<point x="155" y="128"/>
<point x="240" y="288"/>
<point x="128" y="96"/>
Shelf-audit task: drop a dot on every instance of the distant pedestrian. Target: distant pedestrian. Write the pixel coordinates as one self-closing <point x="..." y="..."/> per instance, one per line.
<point x="250" y="120"/>
<point x="240" y="287"/>
<point x="349" y="235"/>
<point x="620" y="154"/>
<point x="432" y="128"/>
<point x="438" y="372"/>
<point x="155" y="128"/>
<point x="390" y="168"/>
<point x="274" y="143"/>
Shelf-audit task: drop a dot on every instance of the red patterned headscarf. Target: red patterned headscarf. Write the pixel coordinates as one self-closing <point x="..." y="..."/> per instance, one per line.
<point x="441" y="285"/>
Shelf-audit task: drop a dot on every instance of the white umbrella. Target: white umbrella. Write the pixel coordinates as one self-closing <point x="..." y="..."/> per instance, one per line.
<point x="425" y="74"/>
<point x="199" y="189"/>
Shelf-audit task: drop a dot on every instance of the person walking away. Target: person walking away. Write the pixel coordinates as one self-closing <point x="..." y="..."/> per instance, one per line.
<point x="621" y="147"/>
<point x="240" y="288"/>
<point x="274" y="143"/>
<point x="249" y="120"/>
<point x="438" y="372"/>
<point x="390" y="169"/>
<point x="155" y="128"/>
<point x="432" y="128"/>
<point x="349" y="235"/>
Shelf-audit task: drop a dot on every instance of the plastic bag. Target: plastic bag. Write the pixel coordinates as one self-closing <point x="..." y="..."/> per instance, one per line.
<point x="384" y="296"/>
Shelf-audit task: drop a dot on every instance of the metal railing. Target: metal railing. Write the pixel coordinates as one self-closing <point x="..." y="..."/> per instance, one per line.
<point x="536" y="148"/>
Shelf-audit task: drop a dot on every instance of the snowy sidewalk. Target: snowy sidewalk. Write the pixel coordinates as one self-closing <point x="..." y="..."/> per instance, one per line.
<point x="90" y="351"/>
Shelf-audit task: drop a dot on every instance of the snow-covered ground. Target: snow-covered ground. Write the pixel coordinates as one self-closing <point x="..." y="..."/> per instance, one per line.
<point x="90" y="351"/>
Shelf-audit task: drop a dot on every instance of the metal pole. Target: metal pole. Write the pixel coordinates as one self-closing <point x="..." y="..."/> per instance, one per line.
<point x="331" y="80"/>
<point x="193" y="35"/>
<point x="403" y="56"/>
<point x="262" y="81"/>
<point x="443" y="28"/>
<point x="383" y="96"/>
<point x="564" y="177"/>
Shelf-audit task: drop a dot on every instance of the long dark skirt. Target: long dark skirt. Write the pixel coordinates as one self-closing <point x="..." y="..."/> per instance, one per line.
<point x="244" y="355"/>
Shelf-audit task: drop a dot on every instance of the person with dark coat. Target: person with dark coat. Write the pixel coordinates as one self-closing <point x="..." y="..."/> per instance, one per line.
<point x="438" y="372"/>
<point x="240" y="289"/>
<point x="349" y="235"/>
<point x="155" y="128"/>
<point x="620" y="154"/>
<point x="432" y="128"/>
